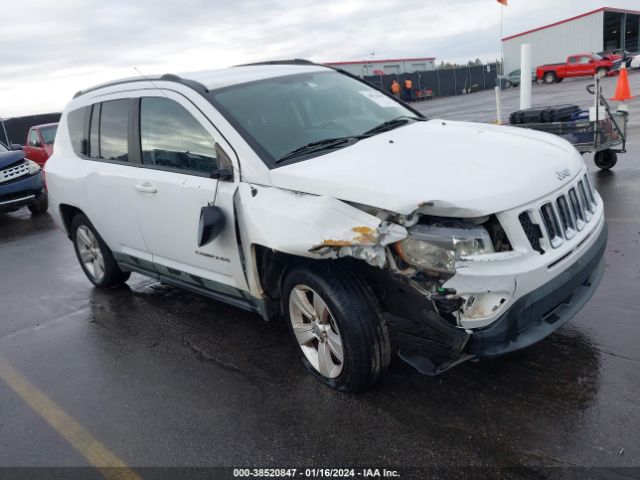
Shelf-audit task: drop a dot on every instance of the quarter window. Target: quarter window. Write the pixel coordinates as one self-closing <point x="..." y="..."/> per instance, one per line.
<point x="171" y="137"/>
<point x="114" y="125"/>
<point x="75" y="124"/>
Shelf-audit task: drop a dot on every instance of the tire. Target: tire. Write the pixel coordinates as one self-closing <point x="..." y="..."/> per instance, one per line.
<point x="549" y="78"/>
<point x="507" y="84"/>
<point x="39" y="207"/>
<point x="601" y="72"/>
<point x="350" y="321"/>
<point x="94" y="256"/>
<point x="605" y="159"/>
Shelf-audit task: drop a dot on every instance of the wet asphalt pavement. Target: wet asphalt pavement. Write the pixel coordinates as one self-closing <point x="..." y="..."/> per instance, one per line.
<point x="166" y="378"/>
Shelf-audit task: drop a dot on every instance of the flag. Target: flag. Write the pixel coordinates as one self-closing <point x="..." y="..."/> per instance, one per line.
<point x="503" y="2"/>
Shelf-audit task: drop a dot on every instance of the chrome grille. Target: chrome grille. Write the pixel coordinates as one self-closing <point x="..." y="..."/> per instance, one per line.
<point x="551" y="223"/>
<point x="562" y="217"/>
<point x="566" y="218"/>
<point x="14" y="171"/>
<point x="576" y="208"/>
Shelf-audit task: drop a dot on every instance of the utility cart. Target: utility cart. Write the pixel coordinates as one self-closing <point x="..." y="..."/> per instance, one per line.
<point x="601" y="130"/>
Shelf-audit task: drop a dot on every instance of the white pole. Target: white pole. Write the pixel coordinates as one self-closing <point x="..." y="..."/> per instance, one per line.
<point x="498" y="111"/>
<point x="525" y="76"/>
<point x="501" y="42"/>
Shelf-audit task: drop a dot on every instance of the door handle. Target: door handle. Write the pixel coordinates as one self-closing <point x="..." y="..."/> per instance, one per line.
<point x="145" y="187"/>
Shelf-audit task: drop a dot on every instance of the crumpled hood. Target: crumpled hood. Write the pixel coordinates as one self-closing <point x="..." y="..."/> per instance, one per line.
<point x="462" y="169"/>
<point x="8" y="158"/>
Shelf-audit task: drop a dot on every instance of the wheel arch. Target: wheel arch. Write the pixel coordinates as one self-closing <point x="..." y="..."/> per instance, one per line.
<point x="272" y="267"/>
<point x="67" y="213"/>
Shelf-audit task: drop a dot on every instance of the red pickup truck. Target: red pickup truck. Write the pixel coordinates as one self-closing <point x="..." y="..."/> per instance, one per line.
<point x="581" y="65"/>
<point x="40" y="142"/>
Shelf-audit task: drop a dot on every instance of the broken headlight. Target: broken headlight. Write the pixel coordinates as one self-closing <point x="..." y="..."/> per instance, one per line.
<point x="436" y="247"/>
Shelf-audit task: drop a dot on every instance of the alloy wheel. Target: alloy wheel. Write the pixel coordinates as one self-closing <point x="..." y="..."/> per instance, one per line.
<point x="90" y="252"/>
<point x="316" y="331"/>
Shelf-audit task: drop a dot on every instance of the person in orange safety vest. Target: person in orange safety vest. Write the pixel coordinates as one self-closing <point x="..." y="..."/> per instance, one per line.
<point x="395" y="88"/>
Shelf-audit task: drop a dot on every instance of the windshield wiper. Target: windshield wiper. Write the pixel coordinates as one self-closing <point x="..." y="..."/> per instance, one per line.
<point x="318" y="146"/>
<point x="393" y="123"/>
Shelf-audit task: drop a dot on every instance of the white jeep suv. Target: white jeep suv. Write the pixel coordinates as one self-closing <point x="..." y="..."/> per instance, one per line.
<point x="292" y="189"/>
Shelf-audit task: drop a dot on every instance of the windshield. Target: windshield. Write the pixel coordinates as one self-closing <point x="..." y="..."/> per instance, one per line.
<point x="49" y="134"/>
<point x="279" y="115"/>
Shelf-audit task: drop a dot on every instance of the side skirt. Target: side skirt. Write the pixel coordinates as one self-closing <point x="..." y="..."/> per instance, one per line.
<point x="241" y="300"/>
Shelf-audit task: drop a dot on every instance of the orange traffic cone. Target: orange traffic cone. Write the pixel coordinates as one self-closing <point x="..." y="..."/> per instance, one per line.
<point x="623" y="92"/>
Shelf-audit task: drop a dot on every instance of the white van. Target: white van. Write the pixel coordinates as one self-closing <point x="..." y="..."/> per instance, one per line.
<point x="296" y="190"/>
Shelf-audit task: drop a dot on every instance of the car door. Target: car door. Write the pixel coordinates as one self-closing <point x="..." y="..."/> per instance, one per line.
<point x="35" y="148"/>
<point x="179" y="149"/>
<point x="107" y="188"/>
<point x="586" y="66"/>
<point x="573" y="66"/>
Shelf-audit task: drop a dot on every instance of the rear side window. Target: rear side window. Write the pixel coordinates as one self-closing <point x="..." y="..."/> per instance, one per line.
<point x="114" y="127"/>
<point x="171" y="137"/>
<point x="75" y="125"/>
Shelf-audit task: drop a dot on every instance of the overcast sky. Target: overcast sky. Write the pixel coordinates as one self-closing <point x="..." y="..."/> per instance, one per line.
<point x="50" y="49"/>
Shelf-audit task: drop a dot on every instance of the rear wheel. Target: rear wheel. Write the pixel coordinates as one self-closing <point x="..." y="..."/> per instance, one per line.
<point x="549" y="77"/>
<point x="605" y="159"/>
<point x="335" y="321"/>
<point x="40" y="207"/>
<point x="601" y="72"/>
<point x="94" y="256"/>
<point x="507" y="84"/>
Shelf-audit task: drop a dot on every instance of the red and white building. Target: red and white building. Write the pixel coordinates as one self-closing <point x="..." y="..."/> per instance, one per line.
<point x="396" y="66"/>
<point x="596" y="31"/>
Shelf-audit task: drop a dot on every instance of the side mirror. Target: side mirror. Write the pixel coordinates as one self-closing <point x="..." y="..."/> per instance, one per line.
<point x="223" y="174"/>
<point x="16" y="146"/>
<point x="212" y="222"/>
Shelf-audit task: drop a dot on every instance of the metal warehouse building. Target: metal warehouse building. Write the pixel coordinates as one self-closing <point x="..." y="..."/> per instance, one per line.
<point x="396" y="66"/>
<point x="596" y="31"/>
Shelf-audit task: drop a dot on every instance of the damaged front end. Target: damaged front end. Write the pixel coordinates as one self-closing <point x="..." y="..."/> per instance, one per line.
<point x="427" y="305"/>
<point x="410" y="261"/>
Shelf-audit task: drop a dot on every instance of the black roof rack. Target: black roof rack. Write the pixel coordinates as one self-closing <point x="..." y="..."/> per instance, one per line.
<point x="294" y="61"/>
<point x="167" y="77"/>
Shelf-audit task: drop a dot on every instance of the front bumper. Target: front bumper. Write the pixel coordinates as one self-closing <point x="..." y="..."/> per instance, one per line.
<point x="22" y="192"/>
<point x="432" y="345"/>
<point x="542" y="311"/>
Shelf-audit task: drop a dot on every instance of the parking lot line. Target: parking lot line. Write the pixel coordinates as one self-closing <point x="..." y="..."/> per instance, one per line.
<point x="111" y="467"/>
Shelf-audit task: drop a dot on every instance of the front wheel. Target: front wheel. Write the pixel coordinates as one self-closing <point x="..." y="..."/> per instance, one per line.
<point x="601" y="72"/>
<point x="605" y="159"/>
<point x="507" y="84"/>
<point x="335" y="321"/>
<point x="94" y="255"/>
